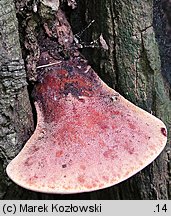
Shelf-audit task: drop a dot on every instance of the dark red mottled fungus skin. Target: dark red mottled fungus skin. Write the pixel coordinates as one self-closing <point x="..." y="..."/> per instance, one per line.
<point x="73" y="77"/>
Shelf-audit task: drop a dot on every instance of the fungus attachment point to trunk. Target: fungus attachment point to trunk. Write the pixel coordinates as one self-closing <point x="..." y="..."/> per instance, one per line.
<point x="88" y="137"/>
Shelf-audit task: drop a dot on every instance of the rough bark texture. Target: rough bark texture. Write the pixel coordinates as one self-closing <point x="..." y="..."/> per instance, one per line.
<point x="131" y="65"/>
<point x="16" y="123"/>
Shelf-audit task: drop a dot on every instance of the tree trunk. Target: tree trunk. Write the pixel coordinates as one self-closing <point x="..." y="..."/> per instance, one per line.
<point x="131" y="66"/>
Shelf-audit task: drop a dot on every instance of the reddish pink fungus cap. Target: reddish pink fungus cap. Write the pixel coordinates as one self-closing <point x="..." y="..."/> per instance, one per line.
<point x="88" y="137"/>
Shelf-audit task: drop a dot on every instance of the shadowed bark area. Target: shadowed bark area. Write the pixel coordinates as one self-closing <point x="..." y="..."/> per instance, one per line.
<point x="131" y="66"/>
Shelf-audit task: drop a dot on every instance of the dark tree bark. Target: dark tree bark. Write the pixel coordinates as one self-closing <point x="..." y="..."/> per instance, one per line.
<point x="135" y="64"/>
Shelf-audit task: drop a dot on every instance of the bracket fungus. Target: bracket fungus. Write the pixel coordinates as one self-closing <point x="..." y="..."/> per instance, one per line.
<point x="88" y="136"/>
